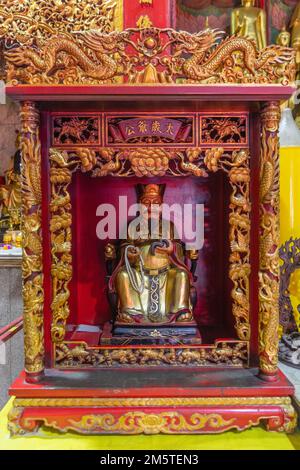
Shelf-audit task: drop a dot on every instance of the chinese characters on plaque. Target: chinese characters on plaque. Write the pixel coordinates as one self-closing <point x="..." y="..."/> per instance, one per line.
<point x="156" y="129"/>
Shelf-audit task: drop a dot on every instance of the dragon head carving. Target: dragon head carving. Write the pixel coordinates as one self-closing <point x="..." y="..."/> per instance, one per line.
<point x="200" y="42"/>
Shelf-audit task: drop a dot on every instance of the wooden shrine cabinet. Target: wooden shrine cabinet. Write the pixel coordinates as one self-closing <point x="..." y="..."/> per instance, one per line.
<point x="212" y="142"/>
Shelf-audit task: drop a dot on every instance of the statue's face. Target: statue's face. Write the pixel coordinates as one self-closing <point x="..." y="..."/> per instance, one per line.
<point x="150" y="201"/>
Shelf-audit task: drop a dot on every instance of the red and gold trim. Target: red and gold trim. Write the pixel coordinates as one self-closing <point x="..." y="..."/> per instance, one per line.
<point x="151" y="415"/>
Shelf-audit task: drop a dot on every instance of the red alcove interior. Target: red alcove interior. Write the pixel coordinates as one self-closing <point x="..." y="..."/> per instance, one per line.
<point x="88" y="301"/>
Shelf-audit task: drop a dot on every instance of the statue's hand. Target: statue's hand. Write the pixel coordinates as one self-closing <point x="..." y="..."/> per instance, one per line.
<point x="133" y="254"/>
<point x="165" y="250"/>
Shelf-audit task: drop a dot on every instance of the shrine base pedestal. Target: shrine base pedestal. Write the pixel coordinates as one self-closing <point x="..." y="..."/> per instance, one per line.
<point x="109" y="402"/>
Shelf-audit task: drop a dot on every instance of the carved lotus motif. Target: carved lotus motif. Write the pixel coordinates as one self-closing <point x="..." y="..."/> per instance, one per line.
<point x="88" y="159"/>
<point x="212" y="158"/>
<point x="149" y="162"/>
<point x="151" y="423"/>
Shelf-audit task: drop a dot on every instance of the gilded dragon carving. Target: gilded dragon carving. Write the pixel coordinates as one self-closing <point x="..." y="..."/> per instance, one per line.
<point x="33" y="294"/>
<point x="64" y="58"/>
<point x="97" y="57"/>
<point x="269" y="240"/>
<point x="257" y="64"/>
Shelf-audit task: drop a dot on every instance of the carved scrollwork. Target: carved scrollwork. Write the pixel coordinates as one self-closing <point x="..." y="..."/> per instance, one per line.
<point x="14" y="421"/>
<point x="95" y="57"/>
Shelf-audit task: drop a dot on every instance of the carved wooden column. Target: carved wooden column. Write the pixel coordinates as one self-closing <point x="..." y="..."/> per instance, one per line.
<point x="33" y="294"/>
<point x="269" y="241"/>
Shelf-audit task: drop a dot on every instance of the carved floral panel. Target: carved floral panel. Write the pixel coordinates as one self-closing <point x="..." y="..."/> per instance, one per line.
<point x="78" y="130"/>
<point x="224" y="130"/>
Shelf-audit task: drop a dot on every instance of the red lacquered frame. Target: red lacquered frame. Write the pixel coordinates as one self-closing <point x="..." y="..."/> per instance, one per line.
<point x="102" y="400"/>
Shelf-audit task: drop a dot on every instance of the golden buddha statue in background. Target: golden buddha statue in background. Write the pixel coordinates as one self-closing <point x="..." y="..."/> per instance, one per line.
<point x="10" y="192"/>
<point x="284" y="39"/>
<point x="151" y="279"/>
<point x="295" y="29"/>
<point x="250" y="21"/>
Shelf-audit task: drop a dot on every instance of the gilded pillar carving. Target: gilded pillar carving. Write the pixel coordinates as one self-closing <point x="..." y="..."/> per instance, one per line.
<point x="33" y="294"/>
<point x="269" y="242"/>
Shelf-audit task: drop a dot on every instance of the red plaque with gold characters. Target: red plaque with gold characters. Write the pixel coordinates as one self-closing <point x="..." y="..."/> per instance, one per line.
<point x="128" y="326"/>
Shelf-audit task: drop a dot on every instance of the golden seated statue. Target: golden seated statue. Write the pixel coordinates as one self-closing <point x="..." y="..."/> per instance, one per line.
<point x="151" y="281"/>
